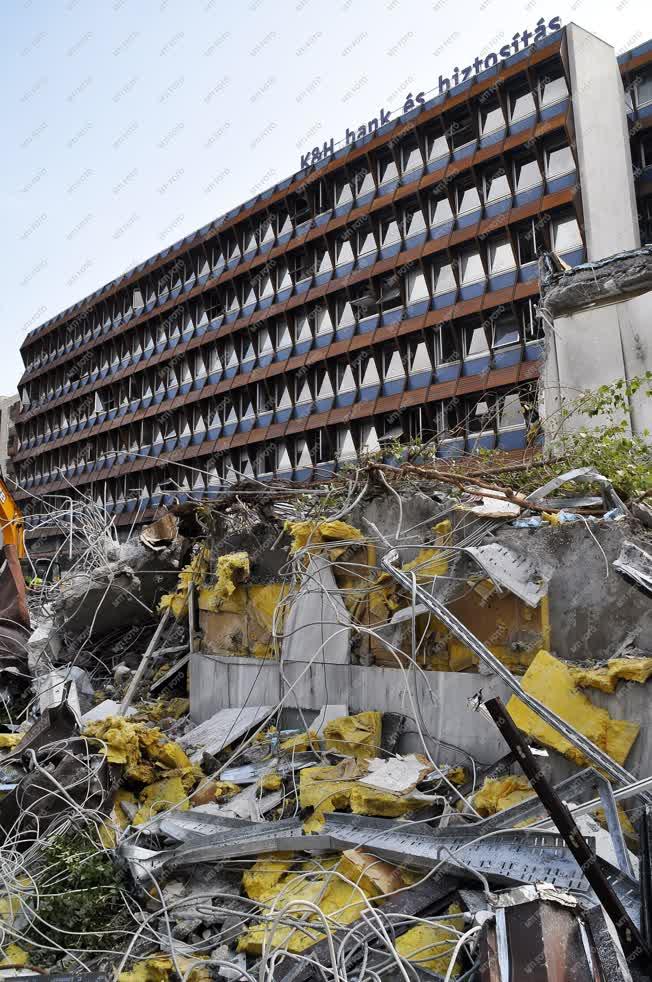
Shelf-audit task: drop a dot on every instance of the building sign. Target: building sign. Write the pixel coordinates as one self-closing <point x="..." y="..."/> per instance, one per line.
<point x="459" y="75"/>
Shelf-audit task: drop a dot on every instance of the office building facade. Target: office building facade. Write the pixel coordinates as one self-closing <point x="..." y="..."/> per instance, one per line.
<point x="385" y="292"/>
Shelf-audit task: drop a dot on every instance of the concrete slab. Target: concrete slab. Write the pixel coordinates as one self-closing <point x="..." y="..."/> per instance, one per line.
<point x="318" y="621"/>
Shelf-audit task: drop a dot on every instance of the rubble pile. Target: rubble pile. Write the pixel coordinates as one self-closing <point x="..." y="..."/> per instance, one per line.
<point x="390" y="728"/>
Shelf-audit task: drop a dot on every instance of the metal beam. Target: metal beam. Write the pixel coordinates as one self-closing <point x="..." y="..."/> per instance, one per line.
<point x="632" y="942"/>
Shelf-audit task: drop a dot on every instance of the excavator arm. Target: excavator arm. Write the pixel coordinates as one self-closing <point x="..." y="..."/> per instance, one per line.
<point x="11" y="521"/>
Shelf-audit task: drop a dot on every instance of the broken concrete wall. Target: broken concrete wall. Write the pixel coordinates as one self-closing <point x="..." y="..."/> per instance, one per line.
<point x="443" y="697"/>
<point x="127" y="589"/>
<point x="597" y="323"/>
<point x="593" y="610"/>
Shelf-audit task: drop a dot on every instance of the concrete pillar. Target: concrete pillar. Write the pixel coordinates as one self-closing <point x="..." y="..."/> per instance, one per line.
<point x="602" y="139"/>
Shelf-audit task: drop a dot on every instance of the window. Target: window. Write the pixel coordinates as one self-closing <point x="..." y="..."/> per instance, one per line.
<point x="446" y="340"/>
<point x="471" y="267"/>
<point x="496" y="185"/>
<point x="249" y="241"/>
<point x="501" y="255"/>
<point x="345" y="378"/>
<point x="441" y="211"/>
<point x="646" y="150"/>
<point x="366" y="242"/>
<point x="527" y="242"/>
<point x="320" y="198"/>
<point x="480" y="417"/>
<point x="468" y="198"/>
<point x="629" y="96"/>
<point x="411" y="158"/>
<point x="364" y="183"/>
<point x="475" y="341"/>
<point x="393" y="367"/>
<point x="387" y="170"/>
<point x="390" y="295"/>
<point x="323" y="262"/>
<point x="437" y="147"/>
<point x="644" y="90"/>
<point x="285" y="226"/>
<point x="344" y="252"/>
<point x="445" y="279"/>
<point x="532" y="326"/>
<point x="343" y="194"/>
<point x="552" y="88"/>
<point x="521" y="103"/>
<point x="389" y="232"/>
<point x="559" y="161"/>
<point x="491" y="117"/>
<point x="414" y="223"/>
<point x="419" y="358"/>
<point x="566" y="234"/>
<point x="282" y="277"/>
<point x="527" y="173"/>
<point x="416" y="286"/>
<point x="505" y="331"/>
<point x="266" y="231"/>
<point x="510" y="413"/>
<point x="462" y="132"/>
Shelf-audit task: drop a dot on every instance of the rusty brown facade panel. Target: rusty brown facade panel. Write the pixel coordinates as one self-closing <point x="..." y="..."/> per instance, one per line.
<point x="640" y="61"/>
<point x="372" y="339"/>
<point x="546" y="203"/>
<point x="436" y="392"/>
<point x="441" y="244"/>
<point x="504" y="73"/>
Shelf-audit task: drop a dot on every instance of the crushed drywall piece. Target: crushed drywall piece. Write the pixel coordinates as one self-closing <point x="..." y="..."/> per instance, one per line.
<point x="109" y="707"/>
<point x="551" y="681"/>
<point x="222" y="729"/>
<point x="492" y="504"/>
<point x="355" y="736"/>
<point x="318" y="625"/>
<point x="397" y="775"/>
<point x="606" y="677"/>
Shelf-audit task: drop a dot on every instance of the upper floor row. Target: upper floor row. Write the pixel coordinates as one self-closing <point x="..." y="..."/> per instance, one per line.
<point x="504" y="101"/>
<point x="489" y="192"/>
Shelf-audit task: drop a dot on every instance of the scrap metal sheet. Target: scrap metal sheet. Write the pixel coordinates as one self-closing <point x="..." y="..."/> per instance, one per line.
<point x="222" y="729"/>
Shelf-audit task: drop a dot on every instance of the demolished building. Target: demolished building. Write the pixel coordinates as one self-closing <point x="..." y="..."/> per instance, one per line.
<point x="336" y="670"/>
<point x="297" y="767"/>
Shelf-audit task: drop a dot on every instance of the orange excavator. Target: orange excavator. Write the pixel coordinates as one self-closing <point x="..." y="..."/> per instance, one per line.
<point x="14" y="613"/>
<point x="11" y="521"/>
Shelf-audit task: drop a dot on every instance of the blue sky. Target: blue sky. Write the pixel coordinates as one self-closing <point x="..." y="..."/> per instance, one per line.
<point x="130" y="123"/>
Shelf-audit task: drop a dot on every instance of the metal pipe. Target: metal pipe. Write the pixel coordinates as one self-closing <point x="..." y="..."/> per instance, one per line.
<point x="140" y="671"/>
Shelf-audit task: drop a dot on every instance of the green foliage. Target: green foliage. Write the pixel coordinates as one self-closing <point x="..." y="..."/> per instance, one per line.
<point x="79" y="897"/>
<point x="609" y="447"/>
